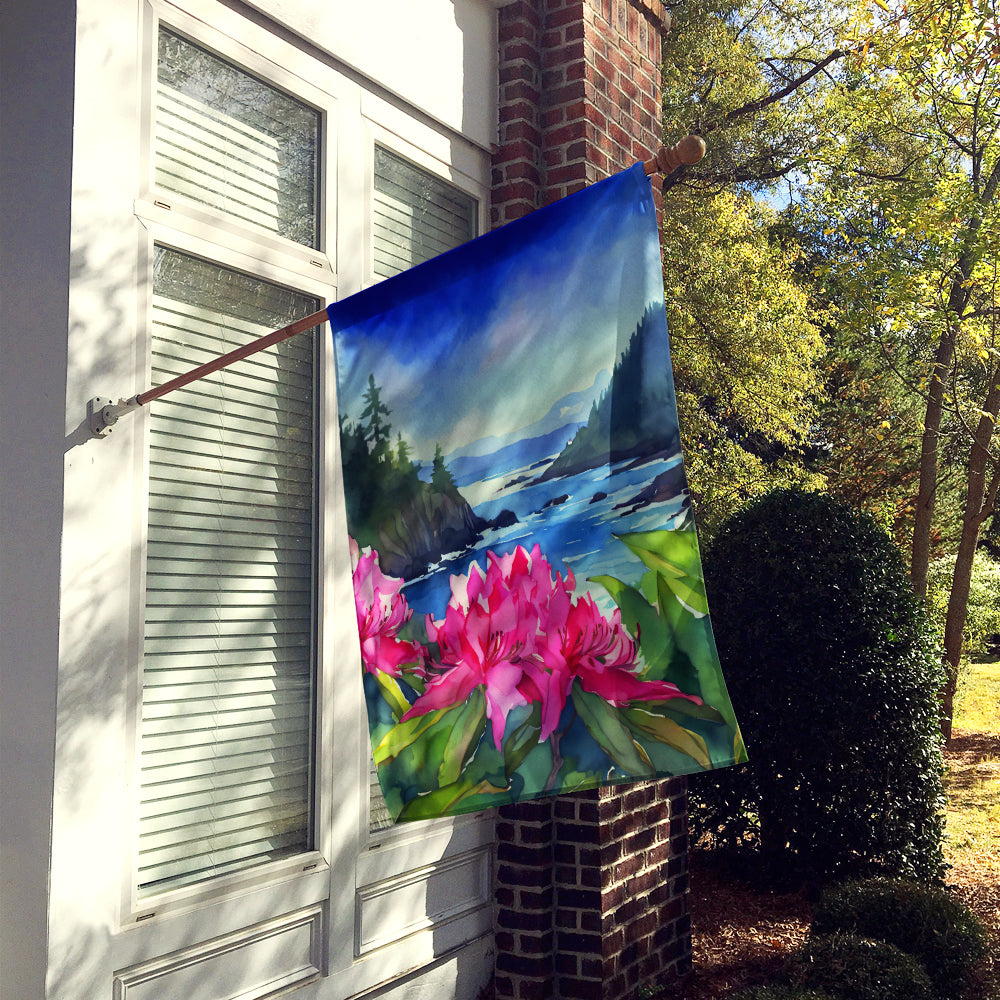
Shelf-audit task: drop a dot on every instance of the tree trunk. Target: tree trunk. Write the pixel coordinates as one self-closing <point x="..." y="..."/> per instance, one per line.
<point x="958" y="300"/>
<point x="920" y="553"/>
<point x="979" y="500"/>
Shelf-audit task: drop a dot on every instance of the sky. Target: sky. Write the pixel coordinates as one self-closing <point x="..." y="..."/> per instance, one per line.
<point x="483" y="346"/>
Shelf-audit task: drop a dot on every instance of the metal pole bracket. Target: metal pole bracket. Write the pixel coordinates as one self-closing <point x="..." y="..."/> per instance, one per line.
<point x="103" y="413"/>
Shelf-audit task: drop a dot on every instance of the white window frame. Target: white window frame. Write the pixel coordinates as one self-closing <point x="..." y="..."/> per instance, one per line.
<point x="350" y="869"/>
<point x="183" y="225"/>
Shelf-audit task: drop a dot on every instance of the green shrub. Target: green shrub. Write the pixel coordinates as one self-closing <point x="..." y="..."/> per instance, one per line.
<point x="926" y="922"/>
<point x="833" y="671"/>
<point x="857" y="968"/>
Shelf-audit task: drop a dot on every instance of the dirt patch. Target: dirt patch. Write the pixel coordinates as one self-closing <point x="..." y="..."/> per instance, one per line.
<point x="741" y="935"/>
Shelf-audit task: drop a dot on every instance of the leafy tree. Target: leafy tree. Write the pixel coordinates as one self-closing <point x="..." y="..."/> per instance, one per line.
<point x="747" y="356"/>
<point x="749" y="74"/>
<point x="913" y="184"/>
<point x="376" y="431"/>
<point x="402" y="450"/>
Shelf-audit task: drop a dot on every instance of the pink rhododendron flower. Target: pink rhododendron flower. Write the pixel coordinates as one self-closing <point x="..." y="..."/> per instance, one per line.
<point x="489" y="636"/>
<point x="382" y="610"/>
<point x="515" y="630"/>
<point x="599" y="652"/>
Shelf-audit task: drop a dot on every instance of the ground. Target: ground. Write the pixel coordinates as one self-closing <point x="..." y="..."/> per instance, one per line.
<point x="742" y="935"/>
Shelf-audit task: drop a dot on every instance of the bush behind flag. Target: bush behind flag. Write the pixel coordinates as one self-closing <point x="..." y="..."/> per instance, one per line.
<point x="527" y="580"/>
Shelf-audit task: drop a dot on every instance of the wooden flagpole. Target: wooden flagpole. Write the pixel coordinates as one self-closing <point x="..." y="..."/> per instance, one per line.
<point x="102" y="413"/>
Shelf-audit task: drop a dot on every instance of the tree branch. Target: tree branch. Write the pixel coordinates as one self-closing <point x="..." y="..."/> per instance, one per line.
<point x="754" y="106"/>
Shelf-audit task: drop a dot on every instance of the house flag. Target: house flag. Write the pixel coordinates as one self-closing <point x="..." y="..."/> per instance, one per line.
<point x="527" y="580"/>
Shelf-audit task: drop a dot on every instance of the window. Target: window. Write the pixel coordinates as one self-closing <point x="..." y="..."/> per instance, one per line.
<point x="228" y="140"/>
<point x="229" y="646"/>
<point x="415" y="216"/>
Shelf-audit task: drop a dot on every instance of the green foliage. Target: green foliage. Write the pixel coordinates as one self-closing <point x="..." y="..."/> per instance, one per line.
<point x="857" y="968"/>
<point x="381" y="481"/>
<point x="442" y="480"/>
<point x="743" y="71"/>
<point x="447" y="758"/>
<point x="746" y="411"/>
<point x="924" y="921"/>
<point x="983" y="613"/>
<point x="833" y="672"/>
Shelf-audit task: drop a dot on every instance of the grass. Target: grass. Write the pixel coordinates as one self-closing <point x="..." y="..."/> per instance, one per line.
<point x="979" y="698"/>
<point x="973" y="784"/>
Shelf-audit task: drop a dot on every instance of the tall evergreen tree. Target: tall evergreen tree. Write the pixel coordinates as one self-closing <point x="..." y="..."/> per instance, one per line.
<point x="442" y="480"/>
<point x="376" y="431"/>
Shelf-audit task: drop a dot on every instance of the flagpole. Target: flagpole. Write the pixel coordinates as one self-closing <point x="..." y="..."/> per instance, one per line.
<point x="103" y="413"/>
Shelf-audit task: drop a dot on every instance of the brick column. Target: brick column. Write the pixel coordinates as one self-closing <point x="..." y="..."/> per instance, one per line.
<point x="579" y="96"/>
<point x="591" y="889"/>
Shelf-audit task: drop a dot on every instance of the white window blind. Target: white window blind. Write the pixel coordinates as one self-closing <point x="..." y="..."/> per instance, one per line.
<point x="228" y="658"/>
<point x="416" y="217"/>
<point x="228" y="140"/>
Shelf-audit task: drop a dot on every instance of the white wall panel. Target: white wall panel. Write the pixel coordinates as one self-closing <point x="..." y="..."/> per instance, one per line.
<point x="254" y="964"/>
<point x="439" y="56"/>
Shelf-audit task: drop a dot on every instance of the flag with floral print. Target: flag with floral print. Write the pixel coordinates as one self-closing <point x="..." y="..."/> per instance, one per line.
<point x="530" y="603"/>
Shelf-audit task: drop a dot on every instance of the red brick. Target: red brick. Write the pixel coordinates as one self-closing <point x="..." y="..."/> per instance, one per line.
<point x="572" y="13"/>
<point x="517" y="11"/>
<point x="513" y="875"/>
<point x="567" y="964"/>
<point x="535" y="988"/>
<point x="521" y="965"/>
<point x="568" y="93"/>
<point x="535" y="899"/>
<point x="521" y="90"/>
<point x="554" y="77"/>
<point x="518" y="111"/>
<point x="574" y="988"/>
<point x="523" y="170"/>
<point x="589" y="944"/>
<point x="553" y="116"/>
<point x="551" y="38"/>
<point x="521" y="130"/>
<point x="517" y="49"/>
<point x="565" y="54"/>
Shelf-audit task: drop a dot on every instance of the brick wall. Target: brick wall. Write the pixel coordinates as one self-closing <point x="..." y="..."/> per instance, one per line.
<point x="579" y="96"/>
<point x="591" y="893"/>
<point x="591" y="890"/>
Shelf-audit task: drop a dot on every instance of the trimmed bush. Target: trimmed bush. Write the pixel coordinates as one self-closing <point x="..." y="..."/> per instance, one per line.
<point x="833" y="671"/>
<point x="857" y="968"/>
<point x="925" y="922"/>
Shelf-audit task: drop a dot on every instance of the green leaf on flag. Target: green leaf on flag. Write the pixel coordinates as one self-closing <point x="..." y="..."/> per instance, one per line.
<point x="605" y="724"/>
<point x="667" y="731"/>
<point x="466" y="731"/>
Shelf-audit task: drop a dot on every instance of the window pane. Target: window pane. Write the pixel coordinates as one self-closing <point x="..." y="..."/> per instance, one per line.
<point x="417" y="215"/>
<point x="226" y="139"/>
<point x="228" y="677"/>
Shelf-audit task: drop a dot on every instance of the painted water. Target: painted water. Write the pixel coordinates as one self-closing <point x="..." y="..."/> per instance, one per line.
<point x="575" y="534"/>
